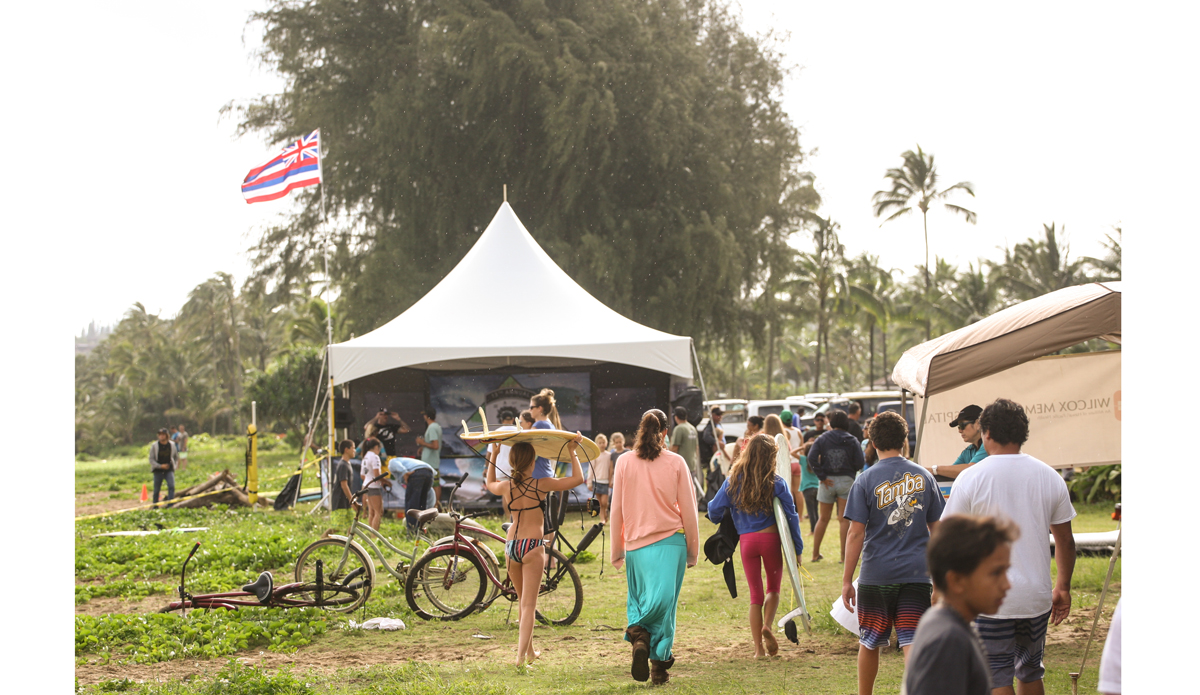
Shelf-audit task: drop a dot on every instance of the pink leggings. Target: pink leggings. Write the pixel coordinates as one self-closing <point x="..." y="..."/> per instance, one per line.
<point x="761" y="546"/>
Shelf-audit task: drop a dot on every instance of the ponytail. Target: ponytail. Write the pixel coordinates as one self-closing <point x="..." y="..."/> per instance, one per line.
<point x="649" y="440"/>
<point x="545" y="401"/>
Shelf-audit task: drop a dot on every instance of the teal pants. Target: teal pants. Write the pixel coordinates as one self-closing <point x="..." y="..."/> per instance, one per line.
<point x="655" y="576"/>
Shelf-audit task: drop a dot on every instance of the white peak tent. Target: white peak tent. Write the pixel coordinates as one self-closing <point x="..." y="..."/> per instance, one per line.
<point x="471" y="320"/>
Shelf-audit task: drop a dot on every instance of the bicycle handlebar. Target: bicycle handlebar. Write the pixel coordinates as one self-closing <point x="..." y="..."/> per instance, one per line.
<point x="356" y="496"/>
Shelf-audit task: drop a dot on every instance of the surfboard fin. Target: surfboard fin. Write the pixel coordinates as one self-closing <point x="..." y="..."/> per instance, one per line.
<point x="483" y="419"/>
<point x="788" y="623"/>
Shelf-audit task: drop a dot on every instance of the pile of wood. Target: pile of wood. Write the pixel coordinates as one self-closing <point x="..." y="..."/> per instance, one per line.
<point x="229" y="493"/>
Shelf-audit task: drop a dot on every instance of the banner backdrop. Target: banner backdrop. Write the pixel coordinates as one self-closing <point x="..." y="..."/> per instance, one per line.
<point x="458" y="397"/>
<point x="1073" y="403"/>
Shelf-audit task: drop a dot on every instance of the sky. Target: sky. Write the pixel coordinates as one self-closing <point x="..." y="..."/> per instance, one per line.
<point x="1035" y="104"/>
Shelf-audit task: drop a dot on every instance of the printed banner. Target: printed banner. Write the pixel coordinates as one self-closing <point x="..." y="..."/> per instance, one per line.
<point x="1073" y="403"/>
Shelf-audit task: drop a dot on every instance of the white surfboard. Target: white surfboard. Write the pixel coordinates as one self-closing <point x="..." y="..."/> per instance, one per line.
<point x="783" y="468"/>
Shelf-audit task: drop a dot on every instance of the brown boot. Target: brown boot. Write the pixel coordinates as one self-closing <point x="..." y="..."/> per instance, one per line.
<point x="640" y="639"/>
<point x="658" y="671"/>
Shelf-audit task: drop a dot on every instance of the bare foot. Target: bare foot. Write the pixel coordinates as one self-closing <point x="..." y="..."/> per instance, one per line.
<point x="770" y="641"/>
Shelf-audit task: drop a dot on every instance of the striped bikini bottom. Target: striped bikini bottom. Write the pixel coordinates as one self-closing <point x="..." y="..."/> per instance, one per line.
<point x="518" y="549"/>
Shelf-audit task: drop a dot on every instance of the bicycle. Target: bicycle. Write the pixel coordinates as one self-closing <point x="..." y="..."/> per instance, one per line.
<point x="319" y="593"/>
<point x="342" y="555"/>
<point x="450" y="580"/>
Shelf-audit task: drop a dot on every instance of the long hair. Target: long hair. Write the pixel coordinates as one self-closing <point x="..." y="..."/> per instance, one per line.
<point x="545" y="401"/>
<point x="773" y="425"/>
<point x="649" y="440"/>
<point x="520" y="459"/>
<point x="752" y="477"/>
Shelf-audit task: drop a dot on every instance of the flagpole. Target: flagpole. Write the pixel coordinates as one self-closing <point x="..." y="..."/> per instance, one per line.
<point x="328" y="307"/>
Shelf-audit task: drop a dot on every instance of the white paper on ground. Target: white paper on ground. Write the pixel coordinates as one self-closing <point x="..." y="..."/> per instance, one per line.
<point x="845" y="618"/>
<point x="380" y="624"/>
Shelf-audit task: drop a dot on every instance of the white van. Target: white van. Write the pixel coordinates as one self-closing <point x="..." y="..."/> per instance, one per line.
<point x="868" y="400"/>
<point x="800" y="407"/>
<point x="733" y="421"/>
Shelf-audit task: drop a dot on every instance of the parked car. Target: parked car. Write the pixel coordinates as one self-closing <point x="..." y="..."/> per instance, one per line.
<point x="800" y="408"/>
<point x="909" y="415"/>
<point x="867" y="400"/>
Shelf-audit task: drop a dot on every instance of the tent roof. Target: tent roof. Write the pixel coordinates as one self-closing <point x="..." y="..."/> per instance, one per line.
<point x="459" y="325"/>
<point x="1020" y="333"/>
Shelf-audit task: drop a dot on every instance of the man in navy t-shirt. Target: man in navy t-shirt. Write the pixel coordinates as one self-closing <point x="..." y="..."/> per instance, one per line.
<point x="892" y="507"/>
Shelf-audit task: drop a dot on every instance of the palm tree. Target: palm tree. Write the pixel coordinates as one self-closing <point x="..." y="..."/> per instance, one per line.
<point x="821" y="278"/>
<point x="1039" y="266"/>
<point x="916" y="180"/>
<point x="1109" y="267"/>
<point x="869" y="286"/>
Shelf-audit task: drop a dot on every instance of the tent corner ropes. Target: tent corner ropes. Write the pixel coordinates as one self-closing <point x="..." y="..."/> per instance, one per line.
<point x="1073" y="401"/>
<point x="603" y="379"/>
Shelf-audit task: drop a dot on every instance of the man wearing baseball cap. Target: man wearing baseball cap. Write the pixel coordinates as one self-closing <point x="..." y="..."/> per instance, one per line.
<point x="967" y="423"/>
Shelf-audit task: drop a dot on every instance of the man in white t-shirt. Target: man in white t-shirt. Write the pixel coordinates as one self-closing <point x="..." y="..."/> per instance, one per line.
<point x="1017" y="486"/>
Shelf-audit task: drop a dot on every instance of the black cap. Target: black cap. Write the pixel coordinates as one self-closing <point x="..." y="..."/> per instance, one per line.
<point x="968" y="414"/>
<point x="681" y="412"/>
<point x="716" y="410"/>
<point x="163" y="430"/>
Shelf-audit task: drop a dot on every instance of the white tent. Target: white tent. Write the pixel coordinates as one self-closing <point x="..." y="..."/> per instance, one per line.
<point x="462" y="324"/>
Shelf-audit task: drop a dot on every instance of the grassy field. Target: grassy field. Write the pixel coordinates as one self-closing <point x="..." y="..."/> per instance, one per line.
<point x="121" y="645"/>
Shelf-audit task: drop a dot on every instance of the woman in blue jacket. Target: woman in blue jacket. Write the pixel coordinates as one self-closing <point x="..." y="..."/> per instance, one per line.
<point x="748" y="495"/>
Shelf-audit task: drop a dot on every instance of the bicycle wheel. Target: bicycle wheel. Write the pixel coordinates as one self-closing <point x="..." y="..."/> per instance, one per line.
<point x="330" y="597"/>
<point x="358" y="569"/>
<point x="445" y="584"/>
<point x="561" y="596"/>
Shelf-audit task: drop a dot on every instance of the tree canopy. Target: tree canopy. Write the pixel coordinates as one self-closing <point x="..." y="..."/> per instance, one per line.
<point x="643" y="144"/>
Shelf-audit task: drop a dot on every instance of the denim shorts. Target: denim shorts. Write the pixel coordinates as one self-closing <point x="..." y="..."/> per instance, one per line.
<point x="600" y="488"/>
<point x="828" y="494"/>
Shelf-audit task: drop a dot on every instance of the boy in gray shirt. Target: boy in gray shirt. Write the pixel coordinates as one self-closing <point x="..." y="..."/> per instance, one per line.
<point x="969" y="557"/>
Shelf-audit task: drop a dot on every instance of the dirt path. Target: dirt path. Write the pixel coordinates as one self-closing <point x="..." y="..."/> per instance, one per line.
<point x="100" y="502"/>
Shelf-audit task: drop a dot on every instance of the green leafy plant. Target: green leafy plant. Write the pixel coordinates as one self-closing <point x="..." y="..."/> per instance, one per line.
<point x="1097" y="483"/>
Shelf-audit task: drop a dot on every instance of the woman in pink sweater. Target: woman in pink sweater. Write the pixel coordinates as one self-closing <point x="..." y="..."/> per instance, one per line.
<point x="656" y="533"/>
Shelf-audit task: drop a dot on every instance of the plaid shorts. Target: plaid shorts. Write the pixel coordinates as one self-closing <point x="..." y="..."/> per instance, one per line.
<point x="1015" y="647"/>
<point x="881" y="606"/>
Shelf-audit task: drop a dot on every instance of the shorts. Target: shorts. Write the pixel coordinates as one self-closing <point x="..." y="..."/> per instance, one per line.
<point x="881" y="606"/>
<point x="796" y="473"/>
<point x="373" y="492"/>
<point x="1014" y="647"/>
<point x="839" y="490"/>
<point x="600" y="488"/>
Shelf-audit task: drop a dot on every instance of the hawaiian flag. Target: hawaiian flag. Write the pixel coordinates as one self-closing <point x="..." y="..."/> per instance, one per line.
<point x="297" y="166"/>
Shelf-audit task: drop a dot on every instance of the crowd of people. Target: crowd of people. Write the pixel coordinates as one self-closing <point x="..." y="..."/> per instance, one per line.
<point x="964" y="581"/>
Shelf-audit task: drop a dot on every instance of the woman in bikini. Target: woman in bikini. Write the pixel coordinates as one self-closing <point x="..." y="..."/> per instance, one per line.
<point x="525" y="549"/>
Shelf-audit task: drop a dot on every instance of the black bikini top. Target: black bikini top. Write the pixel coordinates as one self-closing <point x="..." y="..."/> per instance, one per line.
<point x="525" y="488"/>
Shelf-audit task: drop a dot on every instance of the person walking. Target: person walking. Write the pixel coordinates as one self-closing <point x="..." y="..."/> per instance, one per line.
<point x="891" y="509"/>
<point x="656" y="534"/>
<point x="163" y="458"/>
<point x="836" y="458"/>
<point x="599" y="476"/>
<point x="181" y="445"/>
<point x="685" y="441"/>
<point x="748" y="497"/>
<point x="524" y="548"/>
<point x="372" y="467"/>
<point x="1018" y="486"/>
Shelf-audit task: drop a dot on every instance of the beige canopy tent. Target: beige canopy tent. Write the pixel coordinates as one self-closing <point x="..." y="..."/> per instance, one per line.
<point x="1009" y="338"/>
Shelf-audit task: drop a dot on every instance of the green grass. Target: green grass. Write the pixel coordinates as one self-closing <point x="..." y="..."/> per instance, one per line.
<point x="712" y="645"/>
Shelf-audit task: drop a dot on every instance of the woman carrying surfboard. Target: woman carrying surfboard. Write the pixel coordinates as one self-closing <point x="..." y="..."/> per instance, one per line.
<point x="656" y="533"/>
<point x="524" y="547"/>
<point x="748" y="495"/>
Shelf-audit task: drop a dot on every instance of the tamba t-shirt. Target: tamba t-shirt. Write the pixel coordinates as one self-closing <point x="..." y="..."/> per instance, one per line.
<point x="896" y="499"/>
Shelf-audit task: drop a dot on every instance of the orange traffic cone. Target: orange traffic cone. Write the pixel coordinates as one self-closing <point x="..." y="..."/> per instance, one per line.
<point x="145" y="497"/>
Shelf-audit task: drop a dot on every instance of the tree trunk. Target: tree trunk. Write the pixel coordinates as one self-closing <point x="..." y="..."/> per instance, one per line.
<point x="925" y="221"/>
<point x="871" y="355"/>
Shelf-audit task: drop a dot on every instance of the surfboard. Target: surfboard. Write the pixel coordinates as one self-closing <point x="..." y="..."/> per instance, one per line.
<point x="551" y="444"/>
<point x="783" y="468"/>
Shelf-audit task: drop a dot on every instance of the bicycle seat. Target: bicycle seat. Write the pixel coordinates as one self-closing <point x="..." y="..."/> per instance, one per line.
<point x="505" y="525"/>
<point x="262" y="587"/>
<point x="422" y="516"/>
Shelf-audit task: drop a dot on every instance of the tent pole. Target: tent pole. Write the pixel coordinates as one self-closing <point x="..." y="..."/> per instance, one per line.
<point x="703" y="391"/>
<point x="329" y="336"/>
<point x="1112" y="563"/>
<point x="920" y="425"/>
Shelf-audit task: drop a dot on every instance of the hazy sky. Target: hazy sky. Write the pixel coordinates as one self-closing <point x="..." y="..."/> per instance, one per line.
<point x="1031" y="103"/>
